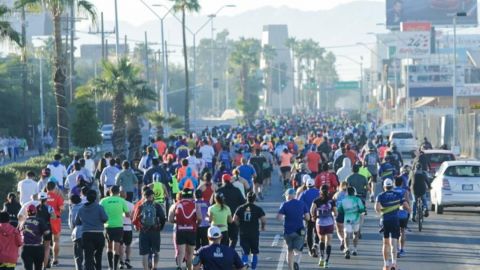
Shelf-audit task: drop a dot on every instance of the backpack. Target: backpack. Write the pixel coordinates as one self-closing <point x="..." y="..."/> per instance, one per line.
<point x="185" y="215"/>
<point x="148" y="215"/>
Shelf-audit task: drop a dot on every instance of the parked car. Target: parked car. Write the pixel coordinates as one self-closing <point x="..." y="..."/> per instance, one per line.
<point x="106" y="131"/>
<point x="436" y="157"/>
<point x="386" y="129"/>
<point x="405" y="141"/>
<point x="457" y="183"/>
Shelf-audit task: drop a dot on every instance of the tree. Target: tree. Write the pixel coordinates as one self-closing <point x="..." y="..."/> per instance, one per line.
<point x="57" y="9"/>
<point x="7" y="32"/>
<point x="183" y="6"/>
<point x="117" y="82"/>
<point x="245" y="61"/>
<point x="85" y="126"/>
<point x="158" y="120"/>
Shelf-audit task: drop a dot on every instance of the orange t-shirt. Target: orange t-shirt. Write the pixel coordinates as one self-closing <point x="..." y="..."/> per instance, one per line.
<point x="286" y="159"/>
<point x="161" y="147"/>
<point x="182" y="172"/>
<point x="313" y="159"/>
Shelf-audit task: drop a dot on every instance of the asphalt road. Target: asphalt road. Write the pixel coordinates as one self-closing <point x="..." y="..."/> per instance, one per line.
<point x="448" y="242"/>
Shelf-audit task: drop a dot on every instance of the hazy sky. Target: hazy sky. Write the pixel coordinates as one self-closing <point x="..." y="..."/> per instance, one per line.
<point x="135" y="13"/>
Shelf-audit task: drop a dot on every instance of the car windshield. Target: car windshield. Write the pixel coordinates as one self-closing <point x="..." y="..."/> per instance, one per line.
<point x="402" y="135"/>
<point x="107" y="127"/>
<point x="440" y="158"/>
<point x="463" y="171"/>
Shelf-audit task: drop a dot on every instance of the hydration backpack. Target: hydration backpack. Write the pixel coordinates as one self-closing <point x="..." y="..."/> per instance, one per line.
<point x="149" y="215"/>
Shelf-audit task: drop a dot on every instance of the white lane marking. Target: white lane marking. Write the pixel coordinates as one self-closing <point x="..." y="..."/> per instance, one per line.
<point x="275" y="240"/>
<point x="281" y="260"/>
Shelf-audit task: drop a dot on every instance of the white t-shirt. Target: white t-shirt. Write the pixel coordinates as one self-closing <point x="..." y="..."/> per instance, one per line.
<point x="127" y="221"/>
<point x="207" y="153"/>
<point x="90" y="165"/>
<point x="27" y="188"/>
<point x="59" y="172"/>
<point x="71" y="180"/>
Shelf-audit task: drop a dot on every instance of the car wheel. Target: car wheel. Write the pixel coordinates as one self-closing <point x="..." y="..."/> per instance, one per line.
<point x="432" y="207"/>
<point x="439" y="210"/>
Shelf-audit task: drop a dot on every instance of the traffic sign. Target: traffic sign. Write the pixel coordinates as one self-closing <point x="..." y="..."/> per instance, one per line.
<point x="347" y="85"/>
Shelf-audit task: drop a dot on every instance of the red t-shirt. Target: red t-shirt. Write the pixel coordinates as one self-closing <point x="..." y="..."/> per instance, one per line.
<point x="329" y="179"/>
<point x="313" y="159"/>
<point x="55" y="201"/>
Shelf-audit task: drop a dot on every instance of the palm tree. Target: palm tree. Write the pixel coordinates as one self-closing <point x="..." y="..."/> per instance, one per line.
<point x="57" y="9"/>
<point x="183" y="6"/>
<point x="119" y="82"/>
<point x="6" y="30"/>
<point x="159" y="120"/>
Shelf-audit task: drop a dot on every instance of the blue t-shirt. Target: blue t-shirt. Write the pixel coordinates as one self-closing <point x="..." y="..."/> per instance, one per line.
<point x="293" y="210"/>
<point x="402" y="214"/>
<point x="218" y="257"/>
<point x="308" y="196"/>
<point x="390" y="202"/>
<point x="247" y="172"/>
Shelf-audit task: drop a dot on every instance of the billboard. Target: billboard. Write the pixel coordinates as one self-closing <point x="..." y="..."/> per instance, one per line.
<point x="437" y="12"/>
<point x="403" y="45"/>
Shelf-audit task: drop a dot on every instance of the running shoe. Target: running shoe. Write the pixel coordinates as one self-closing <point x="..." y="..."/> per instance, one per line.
<point x="347" y="255"/>
<point x="342" y="246"/>
<point x="296" y="266"/>
<point x="325" y="264"/>
<point x="321" y="262"/>
<point x="354" y="253"/>
<point x="128" y="265"/>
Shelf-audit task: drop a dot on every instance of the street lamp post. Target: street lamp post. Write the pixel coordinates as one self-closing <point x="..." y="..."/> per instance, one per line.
<point x="454" y="94"/>
<point x="117" y="34"/>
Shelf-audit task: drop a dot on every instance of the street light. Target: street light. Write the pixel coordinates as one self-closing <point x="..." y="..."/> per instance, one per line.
<point x="164" y="54"/>
<point x="454" y="94"/>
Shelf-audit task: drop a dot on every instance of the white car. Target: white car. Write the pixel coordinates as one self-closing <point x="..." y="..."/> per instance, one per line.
<point x="106" y="131"/>
<point x="405" y="141"/>
<point x="386" y="129"/>
<point x="456" y="183"/>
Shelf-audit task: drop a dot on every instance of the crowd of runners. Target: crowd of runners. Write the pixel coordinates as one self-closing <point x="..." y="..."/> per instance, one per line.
<point x="208" y="186"/>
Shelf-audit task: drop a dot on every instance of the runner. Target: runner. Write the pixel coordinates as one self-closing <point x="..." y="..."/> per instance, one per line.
<point x="258" y="162"/>
<point x="92" y="218"/>
<point x="75" y="205"/>
<point x="293" y="212"/>
<point x="388" y="204"/>
<point x="185" y="214"/>
<point x="10" y="242"/>
<point x="55" y="200"/>
<point x="285" y="165"/>
<point x="220" y="216"/>
<point x="308" y="197"/>
<point x="337" y="198"/>
<point x="351" y="207"/>
<point x="126" y="180"/>
<point x="248" y="217"/>
<point x="33" y="230"/>
<point x="402" y="215"/>
<point x="372" y="161"/>
<point x="107" y="178"/>
<point x="203" y="205"/>
<point x="149" y="219"/>
<point x="323" y="211"/>
<point x="27" y="187"/>
<point x="217" y="256"/>
<point x="116" y="208"/>
<point x="159" y="189"/>
<point x="125" y="249"/>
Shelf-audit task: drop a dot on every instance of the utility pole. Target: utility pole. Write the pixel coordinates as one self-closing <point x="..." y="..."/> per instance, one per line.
<point x="155" y="63"/>
<point x="106" y="48"/>
<point x="102" y="29"/>
<point x="165" y="93"/>
<point x="212" y="84"/>
<point x="24" y="73"/>
<point x="72" y="48"/>
<point x="117" y="37"/>
<point x="126" y="46"/>
<point x="147" y="70"/>
<point x="42" y="114"/>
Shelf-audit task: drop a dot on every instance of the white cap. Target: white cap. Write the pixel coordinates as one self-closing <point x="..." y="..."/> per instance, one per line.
<point x="388" y="183"/>
<point x="214" y="232"/>
<point x="310" y="182"/>
<point x="306" y="178"/>
<point x="42" y="196"/>
<point x="265" y="147"/>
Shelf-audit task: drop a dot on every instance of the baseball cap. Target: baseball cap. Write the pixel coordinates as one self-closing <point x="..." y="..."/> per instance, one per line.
<point x="310" y="182"/>
<point x="214" y="232"/>
<point x="227" y="178"/>
<point x="388" y="183"/>
<point x="289" y="192"/>
<point x="306" y="178"/>
<point x="31" y="210"/>
<point x="43" y="196"/>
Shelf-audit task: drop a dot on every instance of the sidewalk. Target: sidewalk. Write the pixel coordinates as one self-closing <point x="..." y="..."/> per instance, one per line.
<point x="28" y="154"/>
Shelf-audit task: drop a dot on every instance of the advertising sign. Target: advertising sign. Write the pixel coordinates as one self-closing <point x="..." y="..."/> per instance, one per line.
<point x="437" y="12"/>
<point x="403" y="45"/>
<point x="415" y="26"/>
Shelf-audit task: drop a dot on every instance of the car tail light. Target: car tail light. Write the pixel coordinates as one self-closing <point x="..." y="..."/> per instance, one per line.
<point x="446" y="185"/>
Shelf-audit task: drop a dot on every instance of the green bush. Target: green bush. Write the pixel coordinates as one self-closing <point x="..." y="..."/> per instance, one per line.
<point x="12" y="173"/>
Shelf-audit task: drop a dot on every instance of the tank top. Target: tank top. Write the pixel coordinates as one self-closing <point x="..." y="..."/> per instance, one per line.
<point x="208" y="192"/>
<point x="158" y="192"/>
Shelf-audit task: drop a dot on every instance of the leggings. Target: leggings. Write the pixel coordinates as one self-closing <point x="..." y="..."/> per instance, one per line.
<point x="32" y="257"/>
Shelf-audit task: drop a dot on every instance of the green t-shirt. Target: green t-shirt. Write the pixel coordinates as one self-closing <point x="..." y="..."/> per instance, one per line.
<point x="219" y="216"/>
<point x="351" y="207"/>
<point x="365" y="172"/>
<point x="114" y="207"/>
